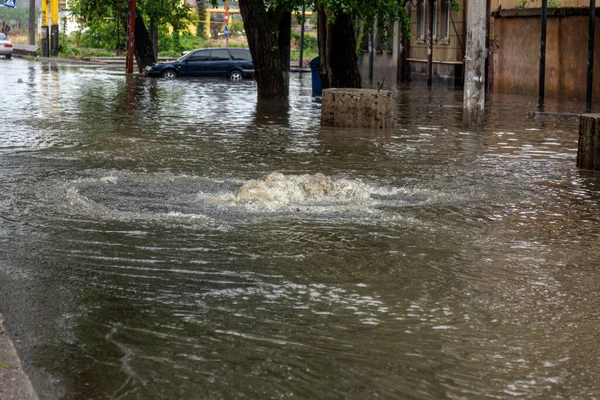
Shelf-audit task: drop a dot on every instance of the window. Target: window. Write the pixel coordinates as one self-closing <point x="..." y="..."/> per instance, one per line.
<point x="240" y="54"/>
<point x="421" y="20"/>
<point x="445" y="21"/>
<point x="220" y="55"/>
<point x="200" y="55"/>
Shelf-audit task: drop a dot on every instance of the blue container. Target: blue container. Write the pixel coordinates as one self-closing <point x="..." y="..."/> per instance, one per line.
<point x="317" y="89"/>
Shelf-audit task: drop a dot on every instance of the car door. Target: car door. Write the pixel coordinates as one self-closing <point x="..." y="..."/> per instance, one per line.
<point x="196" y="64"/>
<point x="242" y="59"/>
<point x="220" y="63"/>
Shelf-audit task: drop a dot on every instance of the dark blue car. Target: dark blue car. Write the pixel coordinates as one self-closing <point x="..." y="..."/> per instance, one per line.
<point x="231" y="63"/>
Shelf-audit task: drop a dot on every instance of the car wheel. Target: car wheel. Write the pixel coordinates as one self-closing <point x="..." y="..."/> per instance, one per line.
<point x="8" y="56"/>
<point x="236" y="76"/>
<point x="169" y="74"/>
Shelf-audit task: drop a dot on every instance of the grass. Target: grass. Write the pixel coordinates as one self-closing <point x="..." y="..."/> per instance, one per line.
<point x="4" y="366"/>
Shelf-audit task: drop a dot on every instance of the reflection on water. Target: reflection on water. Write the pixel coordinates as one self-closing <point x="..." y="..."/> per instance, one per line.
<point x="173" y="240"/>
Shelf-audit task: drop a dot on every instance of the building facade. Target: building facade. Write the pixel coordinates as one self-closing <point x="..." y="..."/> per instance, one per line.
<point x="402" y="59"/>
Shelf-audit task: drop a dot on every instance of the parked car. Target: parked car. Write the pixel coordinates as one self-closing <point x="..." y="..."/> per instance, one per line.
<point x="231" y="63"/>
<point x="6" y="47"/>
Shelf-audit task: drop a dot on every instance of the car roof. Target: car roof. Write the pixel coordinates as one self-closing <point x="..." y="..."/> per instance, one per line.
<point x="3" y="36"/>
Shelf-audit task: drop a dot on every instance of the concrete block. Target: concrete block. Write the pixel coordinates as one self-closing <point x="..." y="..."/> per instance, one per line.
<point x="361" y="108"/>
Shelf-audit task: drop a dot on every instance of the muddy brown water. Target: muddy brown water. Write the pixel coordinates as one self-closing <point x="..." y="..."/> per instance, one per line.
<point x="172" y="240"/>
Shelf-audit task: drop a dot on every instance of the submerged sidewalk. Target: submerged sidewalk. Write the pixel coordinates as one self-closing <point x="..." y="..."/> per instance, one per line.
<point x="14" y="383"/>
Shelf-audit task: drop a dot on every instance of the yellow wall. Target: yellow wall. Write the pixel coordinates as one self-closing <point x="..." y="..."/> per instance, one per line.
<point x="443" y="51"/>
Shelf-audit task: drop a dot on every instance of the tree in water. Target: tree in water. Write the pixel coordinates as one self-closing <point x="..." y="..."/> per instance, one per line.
<point x="338" y="22"/>
<point x="267" y="25"/>
<point x="268" y="30"/>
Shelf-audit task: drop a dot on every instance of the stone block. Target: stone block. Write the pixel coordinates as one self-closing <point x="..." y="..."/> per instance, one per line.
<point x="360" y="108"/>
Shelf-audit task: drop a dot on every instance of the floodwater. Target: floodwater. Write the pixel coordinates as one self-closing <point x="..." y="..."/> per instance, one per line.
<point x="172" y="240"/>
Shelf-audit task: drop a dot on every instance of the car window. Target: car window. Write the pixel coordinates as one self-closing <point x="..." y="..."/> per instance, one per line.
<point x="200" y="55"/>
<point x="220" y="55"/>
<point x="2" y="36"/>
<point x="240" y="54"/>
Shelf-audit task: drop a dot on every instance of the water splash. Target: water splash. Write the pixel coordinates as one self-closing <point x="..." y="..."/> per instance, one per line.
<point x="277" y="191"/>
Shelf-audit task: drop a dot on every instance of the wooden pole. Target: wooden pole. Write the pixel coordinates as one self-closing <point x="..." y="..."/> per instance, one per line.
<point x="130" y="37"/>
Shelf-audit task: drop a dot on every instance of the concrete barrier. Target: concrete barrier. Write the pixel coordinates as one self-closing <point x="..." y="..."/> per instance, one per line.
<point x="24" y="50"/>
<point x="361" y="108"/>
<point x="14" y="383"/>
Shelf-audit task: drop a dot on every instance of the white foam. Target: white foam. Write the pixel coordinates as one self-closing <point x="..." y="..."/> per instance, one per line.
<point x="277" y="191"/>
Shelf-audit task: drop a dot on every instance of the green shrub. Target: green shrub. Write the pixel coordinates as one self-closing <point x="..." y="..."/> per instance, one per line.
<point x="310" y="41"/>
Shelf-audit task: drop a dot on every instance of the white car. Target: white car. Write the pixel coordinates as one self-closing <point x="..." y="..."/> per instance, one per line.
<point x="6" y="47"/>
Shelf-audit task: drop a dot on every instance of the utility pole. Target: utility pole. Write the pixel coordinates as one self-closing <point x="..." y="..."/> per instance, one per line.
<point x="371" y="55"/>
<point x="54" y="29"/>
<point x="542" y="74"/>
<point x="302" y="36"/>
<point x="430" y="46"/>
<point x="130" y="37"/>
<point x="590" y="70"/>
<point x="31" y="28"/>
<point x="226" y="18"/>
<point x="476" y="53"/>
<point x="45" y="32"/>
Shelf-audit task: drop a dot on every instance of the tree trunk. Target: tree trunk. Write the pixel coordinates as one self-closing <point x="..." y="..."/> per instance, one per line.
<point x="285" y="37"/>
<point x="144" y="53"/>
<point x="262" y="34"/>
<point x="337" y="51"/>
<point x="201" y="27"/>
<point x="154" y="37"/>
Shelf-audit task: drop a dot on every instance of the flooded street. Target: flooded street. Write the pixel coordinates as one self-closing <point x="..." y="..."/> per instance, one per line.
<point x="172" y="240"/>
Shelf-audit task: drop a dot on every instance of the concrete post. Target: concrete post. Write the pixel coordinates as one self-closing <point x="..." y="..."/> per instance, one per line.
<point x="45" y="41"/>
<point x="31" y="33"/>
<point x="357" y="108"/>
<point x="54" y="29"/>
<point x="476" y="53"/>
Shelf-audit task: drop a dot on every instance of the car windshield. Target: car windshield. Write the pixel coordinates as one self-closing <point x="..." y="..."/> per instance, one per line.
<point x="3" y="36"/>
<point x="183" y="57"/>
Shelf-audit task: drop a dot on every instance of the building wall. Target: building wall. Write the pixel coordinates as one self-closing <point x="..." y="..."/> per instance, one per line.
<point x="447" y="53"/>
<point x="450" y="50"/>
<point x="386" y="63"/>
<point x="508" y="4"/>
<point x="496" y="5"/>
<point x="516" y="60"/>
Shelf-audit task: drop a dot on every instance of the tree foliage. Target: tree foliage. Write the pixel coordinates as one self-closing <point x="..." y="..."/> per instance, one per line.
<point x="173" y="12"/>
